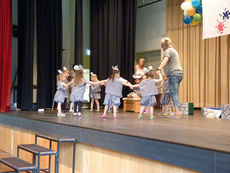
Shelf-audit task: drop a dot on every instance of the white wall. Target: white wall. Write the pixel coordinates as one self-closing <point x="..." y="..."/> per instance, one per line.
<point x="68" y="22"/>
<point x="150" y="26"/>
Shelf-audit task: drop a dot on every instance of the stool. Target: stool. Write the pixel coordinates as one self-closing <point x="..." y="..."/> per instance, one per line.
<point x="18" y="165"/>
<point x="58" y="139"/>
<point x="39" y="151"/>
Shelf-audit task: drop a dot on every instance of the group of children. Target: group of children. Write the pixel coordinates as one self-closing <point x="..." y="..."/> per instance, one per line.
<point x="147" y="88"/>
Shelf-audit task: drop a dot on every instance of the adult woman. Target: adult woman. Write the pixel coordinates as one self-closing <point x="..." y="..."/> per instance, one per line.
<point x="173" y="71"/>
<point x="139" y="68"/>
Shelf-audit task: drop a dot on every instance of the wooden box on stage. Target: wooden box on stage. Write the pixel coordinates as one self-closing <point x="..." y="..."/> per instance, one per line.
<point x="132" y="104"/>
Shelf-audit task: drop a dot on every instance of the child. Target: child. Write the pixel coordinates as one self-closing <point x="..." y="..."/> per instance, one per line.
<point x="148" y="91"/>
<point x="66" y="72"/>
<point x="70" y="96"/>
<point x="78" y="88"/>
<point x="61" y="92"/>
<point x="113" y="91"/>
<point x="95" y="92"/>
<point x="67" y="76"/>
<point x="165" y="98"/>
<point x="136" y="92"/>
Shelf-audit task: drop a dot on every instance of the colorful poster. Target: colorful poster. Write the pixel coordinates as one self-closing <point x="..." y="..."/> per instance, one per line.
<point x="216" y="18"/>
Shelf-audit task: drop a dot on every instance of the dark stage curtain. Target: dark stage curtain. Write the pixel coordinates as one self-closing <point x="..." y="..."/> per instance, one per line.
<point x="113" y="25"/>
<point x="5" y="54"/>
<point x="49" y="48"/>
<point x="25" y="54"/>
<point x="78" y="42"/>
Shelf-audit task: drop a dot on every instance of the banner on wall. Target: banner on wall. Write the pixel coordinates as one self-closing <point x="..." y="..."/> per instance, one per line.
<point x="216" y="18"/>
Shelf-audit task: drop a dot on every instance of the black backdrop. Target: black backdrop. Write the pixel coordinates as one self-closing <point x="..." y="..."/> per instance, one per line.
<point x="49" y="49"/>
<point x="25" y="54"/>
<point x="113" y="25"/>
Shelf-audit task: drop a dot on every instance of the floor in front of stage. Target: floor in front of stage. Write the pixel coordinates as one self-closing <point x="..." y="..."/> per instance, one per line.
<point x="188" y="130"/>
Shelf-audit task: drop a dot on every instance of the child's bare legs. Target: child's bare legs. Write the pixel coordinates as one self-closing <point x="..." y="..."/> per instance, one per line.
<point x="60" y="114"/>
<point x="105" y="111"/>
<point x="71" y="107"/>
<point x="91" y="104"/>
<point x="151" y="112"/>
<point x="163" y="108"/>
<point x="59" y="107"/>
<point x="141" y="111"/>
<point x="166" y="108"/>
<point x="114" y="111"/>
<point x="98" y="105"/>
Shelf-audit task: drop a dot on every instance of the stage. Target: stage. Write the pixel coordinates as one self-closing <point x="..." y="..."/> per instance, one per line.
<point x="191" y="142"/>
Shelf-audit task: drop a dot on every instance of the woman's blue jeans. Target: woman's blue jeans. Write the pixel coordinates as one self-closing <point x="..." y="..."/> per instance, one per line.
<point x="174" y="83"/>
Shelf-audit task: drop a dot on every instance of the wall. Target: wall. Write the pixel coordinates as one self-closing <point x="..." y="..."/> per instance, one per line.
<point x="89" y="158"/>
<point x="68" y="22"/>
<point x="86" y="33"/>
<point x="150" y="26"/>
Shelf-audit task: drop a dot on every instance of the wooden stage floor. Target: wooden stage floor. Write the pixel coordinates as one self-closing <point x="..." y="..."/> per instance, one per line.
<point x="195" y="131"/>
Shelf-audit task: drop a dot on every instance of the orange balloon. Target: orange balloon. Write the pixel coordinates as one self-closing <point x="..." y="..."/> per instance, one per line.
<point x="191" y="11"/>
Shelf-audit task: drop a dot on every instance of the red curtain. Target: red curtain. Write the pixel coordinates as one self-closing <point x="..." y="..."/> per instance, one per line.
<point x="5" y="54"/>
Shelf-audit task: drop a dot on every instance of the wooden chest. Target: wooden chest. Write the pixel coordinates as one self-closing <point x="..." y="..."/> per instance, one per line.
<point x="132" y="104"/>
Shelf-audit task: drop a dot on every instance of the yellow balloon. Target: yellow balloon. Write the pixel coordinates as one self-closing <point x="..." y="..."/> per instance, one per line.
<point x="191" y="11"/>
<point x="193" y="22"/>
<point x="187" y="0"/>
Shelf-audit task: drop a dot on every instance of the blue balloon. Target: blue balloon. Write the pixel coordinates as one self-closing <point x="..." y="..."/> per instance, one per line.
<point x="188" y="19"/>
<point x="199" y="9"/>
<point x="195" y="3"/>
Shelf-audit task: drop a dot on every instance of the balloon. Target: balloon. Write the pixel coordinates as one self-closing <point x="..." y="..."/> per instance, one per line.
<point x="197" y="17"/>
<point x="193" y="22"/>
<point x="185" y="13"/>
<point x="191" y="11"/>
<point x="188" y="19"/>
<point x="183" y="5"/>
<point x="195" y="3"/>
<point x="187" y="0"/>
<point x="186" y="5"/>
<point x="199" y="9"/>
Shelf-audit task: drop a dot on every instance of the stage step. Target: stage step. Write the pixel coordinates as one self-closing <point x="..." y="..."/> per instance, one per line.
<point x="17" y="164"/>
<point x="38" y="151"/>
<point x="59" y="139"/>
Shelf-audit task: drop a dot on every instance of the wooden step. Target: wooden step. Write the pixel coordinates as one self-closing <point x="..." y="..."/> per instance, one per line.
<point x="36" y="149"/>
<point x="54" y="137"/>
<point x="18" y="164"/>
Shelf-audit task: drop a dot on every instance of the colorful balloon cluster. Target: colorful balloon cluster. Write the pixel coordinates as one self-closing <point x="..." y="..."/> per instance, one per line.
<point x="192" y="11"/>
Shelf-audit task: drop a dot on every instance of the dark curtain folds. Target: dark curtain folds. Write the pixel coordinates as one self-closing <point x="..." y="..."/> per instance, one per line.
<point x="5" y="54"/>
<point x="113" y="25"/>
<point x="25" y="54"/>
<point x="49" y="49"/>
<point x="78" y="41"/>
